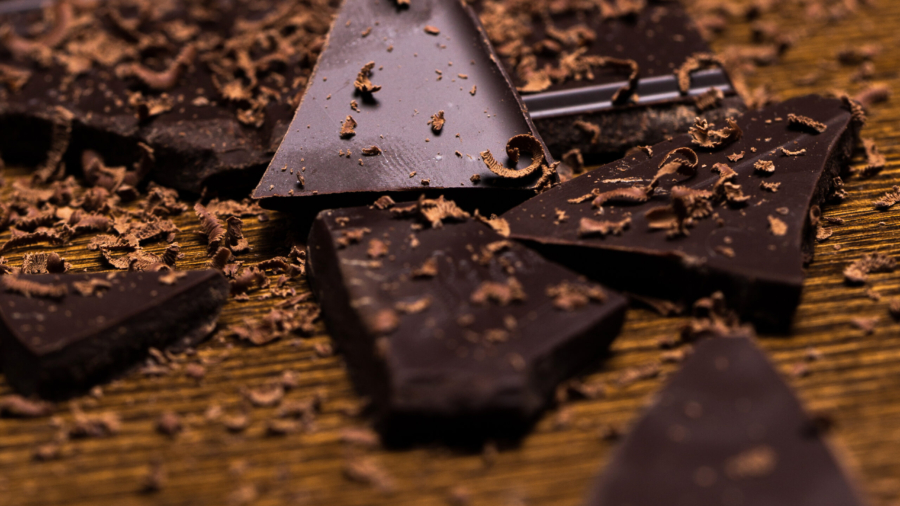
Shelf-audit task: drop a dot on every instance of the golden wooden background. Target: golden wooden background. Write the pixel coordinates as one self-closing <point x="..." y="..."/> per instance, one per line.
<point x="856" y="380"/>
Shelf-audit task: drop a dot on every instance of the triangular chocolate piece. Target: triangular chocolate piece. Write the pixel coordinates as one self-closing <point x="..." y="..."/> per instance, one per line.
<point x="59" y="334"/>
<point x="405" y="99"/>
<point x="725" y="430"/>
<point x="731" y="207"/>
<point x="452" y="329"/>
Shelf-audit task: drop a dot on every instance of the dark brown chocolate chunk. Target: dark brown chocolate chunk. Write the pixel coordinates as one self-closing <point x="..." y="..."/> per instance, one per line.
<point x="457" y="331"/>
<point x="193" y="83"/>
<point x="637" y="71"/>
<point x="61" y="334"/>
<point x="702" y="220"/>
<point x="725" y="429"/>
<point x="425" y="132"/>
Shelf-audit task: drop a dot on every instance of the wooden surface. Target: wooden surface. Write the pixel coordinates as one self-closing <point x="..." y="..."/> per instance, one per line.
<point x="856" y="380"/>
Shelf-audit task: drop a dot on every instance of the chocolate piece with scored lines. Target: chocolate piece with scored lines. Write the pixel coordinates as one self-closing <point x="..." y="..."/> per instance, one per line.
<point x="602" y="76"/>
<point x="725" y="429"/>
<point x="450" y="328"/>
<point x="688" y="221"/>
<point x="61" y="334"/>
<point x="400" y="90"/>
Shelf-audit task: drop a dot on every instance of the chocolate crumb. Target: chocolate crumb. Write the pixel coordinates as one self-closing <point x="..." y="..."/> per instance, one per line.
<point x="347" y="128"/>
<point x="888" y="199"/>
<point x="858" y="271"/>
<point x="432" y="30"/>
<point x="437" y="121"/>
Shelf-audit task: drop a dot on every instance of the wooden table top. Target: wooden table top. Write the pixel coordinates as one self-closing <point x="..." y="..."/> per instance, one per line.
<point x="856" y="380"/>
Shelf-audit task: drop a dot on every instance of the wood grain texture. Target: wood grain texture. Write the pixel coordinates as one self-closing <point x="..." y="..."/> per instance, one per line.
<point x="856" y="380"/>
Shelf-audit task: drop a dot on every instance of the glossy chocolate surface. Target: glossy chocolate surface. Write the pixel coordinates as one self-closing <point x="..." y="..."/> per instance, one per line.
<point x="436" y="361"/>
<point x="99" y="324"/>
<point x="420" y="74"/>
<point x="725" y="430"/>
<point x="734" y="249"/>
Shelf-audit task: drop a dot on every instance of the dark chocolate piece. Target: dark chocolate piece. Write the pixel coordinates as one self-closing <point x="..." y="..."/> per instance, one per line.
<point x="209" y="88"/>
<point x="726" y="429"/>
<point x="61" y="334"/>
<point x="451" y="329"/>
<point x="689" y="220"/>
<point x="418" y="102"/>
<point x="600" y="76"/>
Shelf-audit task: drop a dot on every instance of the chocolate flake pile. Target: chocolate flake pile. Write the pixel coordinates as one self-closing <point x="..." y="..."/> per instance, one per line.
<point x="209" y="88"/>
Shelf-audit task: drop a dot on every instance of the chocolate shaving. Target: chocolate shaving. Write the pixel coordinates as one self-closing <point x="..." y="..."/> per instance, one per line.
<point x="414" y="307"/>
<point x="428" y="269"/>
<point x="888" y="199"/>
<point x="806" y="123"/>
<point x="634" y="194"/>
<point x="622" y="95"/>
<point x="347" y="128"/>
<point x="858" y="271"/>
<point x="363" y="84"/>
<point x="693" y="63"/>
<point x="772" y="187"/>
<point x="571" y="296"/>
<point x="500" y="293"/>
<point x="873" y="94"/>
<point x="14" y="284"/>
<point x="211" y="227"/>
<point x="767" y="166"/>
<point x="437" y="121"/>
<point x="523" y="142"/>
<point x="159" y="80"/>
<point x="44" y="263"/>
<point x="686" y="165"/>
<point x="589" y="227"/>
<point x="435" y="211"/>
<point x="138" y="260"/>
<point x="703" y="136"/>
<point x="384" y="202"/>
<point x="875" y="161"/>
<point x="371" y="151"/>
<point x="377" y="248"/>
<point x="500" y="225"/>
<point x="736" y="157"/>
<point x="52" y="167"/>
<point x="589" y="128"/>
<point x="172" y="254"/>
<point x="20" y="407"/>
<point x="351" y="236"/>
<point x="709" y="99"/>
<point x="92" y="287"/>
<point x="432" y="30"/>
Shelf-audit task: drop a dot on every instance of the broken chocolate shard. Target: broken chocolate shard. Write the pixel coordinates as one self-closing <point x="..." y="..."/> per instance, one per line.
<point x="208" y="100"/>
<point x="726" y="429"/>
<point x="62" y="334"/>
<point x="709" y="231"/>
<point x="613" y="67"/>
<point x="408" y="118"/>
<point x="509" y="326"/>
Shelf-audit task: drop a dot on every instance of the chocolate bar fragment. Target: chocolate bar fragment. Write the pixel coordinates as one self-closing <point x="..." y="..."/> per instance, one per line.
<point x="192" y="91"/>
<point x="602" y="77"/>
<point x="62" y="334"/>
<point x="453" y="331"/>
<point x="726" y="429"/>
<point x="732" y="208"/>
<point x="406" y="98"/>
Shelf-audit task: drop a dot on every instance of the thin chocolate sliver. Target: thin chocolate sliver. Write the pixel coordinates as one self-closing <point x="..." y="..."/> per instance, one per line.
<point x="725" y="429"/>
<point x="389" y="113"/>
<point x="62" y="334"/>
<point x="690" y="220"/>
<point x="450" y="328"/>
